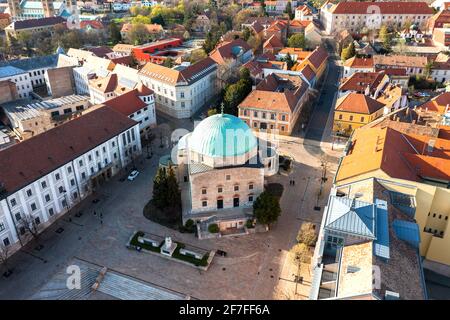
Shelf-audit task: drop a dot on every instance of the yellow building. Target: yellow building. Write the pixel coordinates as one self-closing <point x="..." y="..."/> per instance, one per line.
<point x="411" y="164"/>
<point x="317" y="60"/>
<point x="353" y="111"/>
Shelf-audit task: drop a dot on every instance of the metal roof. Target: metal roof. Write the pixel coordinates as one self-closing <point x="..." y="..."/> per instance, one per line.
<point x="381" y="244"/>
<point x="351" y="216"/>
<point x="407" y="231"/>
<point x="9" y="71"/>
<point x="32" y="63"/>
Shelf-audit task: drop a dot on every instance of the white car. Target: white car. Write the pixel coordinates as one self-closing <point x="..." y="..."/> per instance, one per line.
<point x="133" y="175"/>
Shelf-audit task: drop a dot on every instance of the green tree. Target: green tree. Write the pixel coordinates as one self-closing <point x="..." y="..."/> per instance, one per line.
<point x="348" y="52"/>
<point x="114" y="33"/>
<point x="173" y="196"/>
<point x="289" y="11"/>
<point x="236" y="93"/>
<point x="138" y="34"/>
<point x="427" y="69"/>
<point x="160" y="189"/>
<point x="159" y="19"/>
<point x="168" y="63"/>
<point x="297" y="41"/>
<point x="142" y="19"/>
<point x="289" y="61"/>
<point x="197" y="55"/>
<point x="266" y="208"/>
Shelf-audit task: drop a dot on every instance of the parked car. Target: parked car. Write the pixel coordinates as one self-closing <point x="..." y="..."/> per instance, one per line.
<point x="133" y="175"/>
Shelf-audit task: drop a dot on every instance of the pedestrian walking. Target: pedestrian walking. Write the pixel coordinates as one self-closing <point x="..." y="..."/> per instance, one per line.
<point x="293" y="182"/>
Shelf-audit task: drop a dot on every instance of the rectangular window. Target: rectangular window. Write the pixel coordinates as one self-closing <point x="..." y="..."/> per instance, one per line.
<point x="250" y="198"/>
<point x="204" y="191"/>
<point x="80" y="163"/>
<point x="33" y="206"/>
<point x="51" y="211"/>
<point x="250" y="186"/>
<point x="204" y="203"/>
<point x="47" y="198"/>
<point x="37" y="221"/>
<point x="2" y="226"/>
<point x="29" y="193"/>
<point x="69" y="169"/>
<point x="72" y="182"/>
<point x="13" y="202"/>
<point x="18" y="216"/>
<point x="228" y="177"/>
<point x="133" y="137"/>
<point x="57" y="176"/>
<point x="6" y="242"/>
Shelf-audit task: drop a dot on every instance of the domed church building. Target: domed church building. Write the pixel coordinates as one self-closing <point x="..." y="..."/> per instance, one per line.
<point x="223" y="166"/>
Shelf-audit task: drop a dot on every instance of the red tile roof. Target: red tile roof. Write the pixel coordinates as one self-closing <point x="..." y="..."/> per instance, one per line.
<point x="391" y="7"/>
<point x="128" y="103"/>
<point x="308" y="73"/>
<point x="355" y="62"/>
<point x="225" y="50"/>
<point x="359" y="81"/>
<point x="358" y="103"/>
<point x="318" y="57"/>
<point x="273" y="42"/>
<point x="94" y="24"/>
<point x="32" y="159"/>
<point x="438" y="104"/>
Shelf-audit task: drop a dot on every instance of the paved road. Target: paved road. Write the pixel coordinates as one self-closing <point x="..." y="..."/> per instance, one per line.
<point x="318" y="121"/>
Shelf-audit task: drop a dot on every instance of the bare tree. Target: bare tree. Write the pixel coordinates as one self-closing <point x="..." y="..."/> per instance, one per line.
<point x="30" y="225"/>
<point x="307" y="234"/>
<point x="4" y="256"/>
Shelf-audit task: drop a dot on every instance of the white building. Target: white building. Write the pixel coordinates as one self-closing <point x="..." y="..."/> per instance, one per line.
<point x="19" y="77"/>
<point x="354" y="16"/>
<point x="43" y="183"/>
<point x="303" y="13"/>
<point x="181" y="91"/>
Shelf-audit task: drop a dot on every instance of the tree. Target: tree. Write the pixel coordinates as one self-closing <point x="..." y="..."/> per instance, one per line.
<point x="160" y="188"/>
<point x="114" y="33"/>
<point x="212" y="112"/>
<point x="236" y="93"/>
<point x="255" y="41"/>
<point x="197" y="55"/>
<point x="173" y="196"/>
<point x="348" y="52"/>
<point x="297" y="40"/>
<point x="288" y="10"/>
<point x="142" y="19"/>
<point x="159" y="19"/>
<point x="300" y="253"/>
<point x="427" y="69"/>
<point x="307" y="234"/>
<point x="266" y="208"/>
<point x="210" y="41"/>
<point x="30" y="225"/>
<point x="138" y="34"/>
<point x="4" y="256"/>
<point x="246" y="33"/>
<point x="385" y="37"/>
<point x="168" y="63"/>
<point x="289" y="61"/>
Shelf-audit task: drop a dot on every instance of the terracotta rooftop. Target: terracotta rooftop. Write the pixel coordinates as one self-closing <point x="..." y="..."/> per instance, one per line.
<point x="360" y="81"/>
<point x="318" y="57"/>
<point x="398" y="155"/>
<point x="300" y="53"/>
<point x="172" y="76"/>
<point x="308" y="73"/>
<point x="300" y="23"/>
<point x="277" y="92"/>
<point x="391" y="7"/>
<point x="439" y="104"/>
<point x="400" y="61"/>
<point x="129" y="103"/>
<point x="58" y="146"/>
<point x="355" y="62"/>
<point x="228" y="50"/>
<point x="358" y="103"/>
<point x="273" y="42"/>
<point x="91" y="23"/>
<point x="107" y="84"/>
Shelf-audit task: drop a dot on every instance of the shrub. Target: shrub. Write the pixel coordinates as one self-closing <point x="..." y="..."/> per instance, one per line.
<point x="213" y="228"/>
<point x="249" y="224"/>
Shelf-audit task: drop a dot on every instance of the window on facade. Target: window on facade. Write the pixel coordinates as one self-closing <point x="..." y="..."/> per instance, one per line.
<point x="182" y="104"/>
<point x="80" y="163"/>
<point x="83" y="175"/>
<point x="29" y="193"/>
<point x="228" y="177"/>
<point x="2" y="226"/>
<point x="133" y="137"/>
<point x="182" y="95"/>
<point x="72" y="182"/>
<point x="6" y="241"/>
<point x="340" y="117"/>
<point x="250" y="198"/>
<point x="282" y="128"/>
<point x="204" y="203"/>
<point x="51" y="211"/>
<point x="351" y="118"/>
<point x="283" y="118"/>
<point x="57" y="176"/>
<point x="203" y="190"/>
<point x="33" y="206"/>
<point x="250" y="186"/>
<point x="255" y="114"/>
<point x="236" y="188"/>
<point x="13" y="202"/>
<point x="89" y="157"/>
<point x="219" y="190"/>
<point x="37" y="220"/>
<point x="18" y="216"/>
<point x="362" y="119"/>
<point x="47" y="198"/>
<point x="272" y="116"/>
<point x="61" y="189"/>
<point x="69" y="169"/>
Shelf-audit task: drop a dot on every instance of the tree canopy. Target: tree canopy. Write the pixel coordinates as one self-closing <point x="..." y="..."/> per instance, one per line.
<point x="297" y="40"/>
<point x="266" y="208"/>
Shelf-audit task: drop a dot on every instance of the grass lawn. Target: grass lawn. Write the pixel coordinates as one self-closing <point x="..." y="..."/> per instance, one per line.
<point x="169" y="217"/>
<point x="197" y="262"/>
<point x="134" y="242"/>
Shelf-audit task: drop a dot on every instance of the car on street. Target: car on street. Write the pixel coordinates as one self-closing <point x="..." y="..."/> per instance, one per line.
<point x="133" y="175"/>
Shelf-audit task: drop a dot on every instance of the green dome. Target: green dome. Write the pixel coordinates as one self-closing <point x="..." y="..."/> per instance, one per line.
<point x="222" y="135"/>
